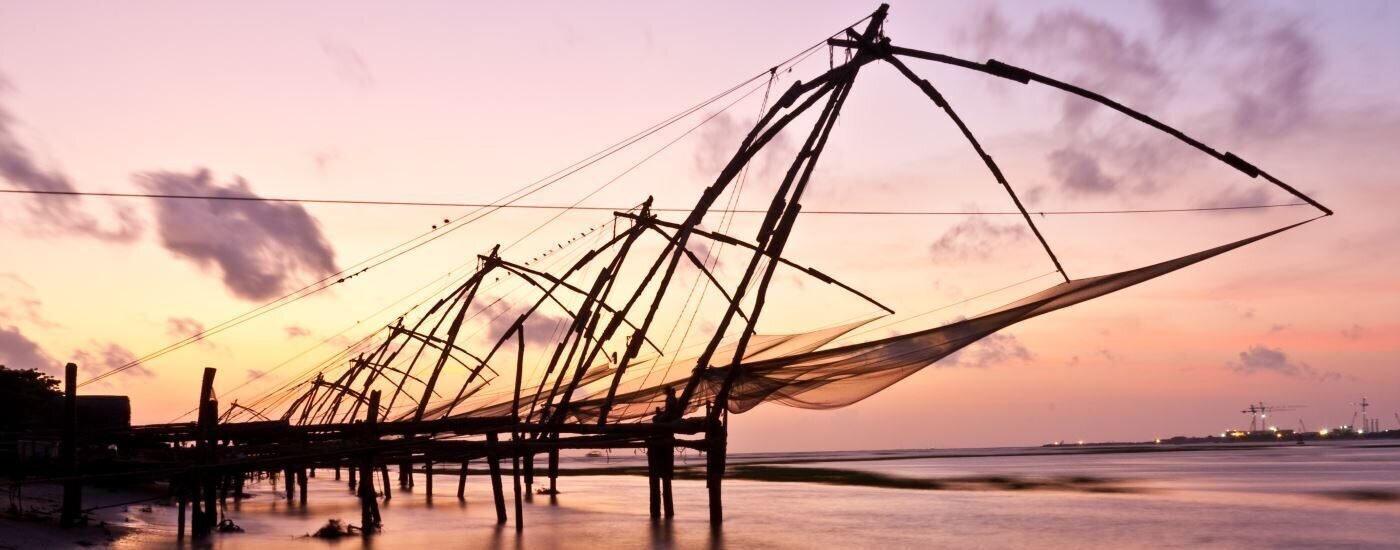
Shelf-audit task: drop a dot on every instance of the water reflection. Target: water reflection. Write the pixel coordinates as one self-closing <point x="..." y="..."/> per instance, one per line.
<point x="1199" y="498"/>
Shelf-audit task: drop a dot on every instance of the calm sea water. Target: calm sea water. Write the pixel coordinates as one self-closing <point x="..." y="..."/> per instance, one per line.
<point x="1282" y="497"/>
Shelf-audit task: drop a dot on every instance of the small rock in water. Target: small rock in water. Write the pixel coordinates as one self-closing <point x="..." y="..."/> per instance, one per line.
<point x="334" y="529"/>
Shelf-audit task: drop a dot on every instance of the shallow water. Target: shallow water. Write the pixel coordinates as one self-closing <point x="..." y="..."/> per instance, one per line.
<point x="1280" y="497"/>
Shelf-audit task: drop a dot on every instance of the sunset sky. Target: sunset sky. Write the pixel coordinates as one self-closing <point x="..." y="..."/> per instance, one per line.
<point x="466" y="102"/>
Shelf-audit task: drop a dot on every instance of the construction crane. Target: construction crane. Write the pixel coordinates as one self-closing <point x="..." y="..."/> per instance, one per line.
<point x="1259" y="413"/>
<point x="1365" y="421"/>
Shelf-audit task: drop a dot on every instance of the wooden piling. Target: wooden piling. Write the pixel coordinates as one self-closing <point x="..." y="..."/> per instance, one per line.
<point x="72" y="490"/>
<point x="301" y="485"/>
<point x="666" y="461"/>
<point x="428" y="475"/>
<point x="515" y="476"/>
<point x="183" y="498"/>
<point x="462" y="481"/>
<point x="653" y="479"/>
<point x="554" y="468"/>
<point x="369" y="507"/>
<point x="289" y="481"/>
<point x="205" y="511"/>
<point x="493" y="459"/>
<point x="715" y="450"/>
<point x="384" y="476"/>
<point x="353" y="471"/>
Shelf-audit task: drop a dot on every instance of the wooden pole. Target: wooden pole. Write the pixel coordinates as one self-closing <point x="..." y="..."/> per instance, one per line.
<point x="352" y="478"/>
<point x="667" y="462"/>
<point x="428" y="474"/>
<point x="368" y="507"/>
<point x="72" y="490"/>
<point x="714" y="470"/>
<point x="515" y="437"/>
<point x="493" y="459"/>
<point x="515" y="475"/>
<point x="206" y="513"/>
<point x="462" y="481"/>
<point x="553" y="467"/>
<point x="289" y="480"/>
<point x="653" y="479"/>
<point x="301" y="485"/>
<point x="183" y="497"/>
<point x="384" y="475"/>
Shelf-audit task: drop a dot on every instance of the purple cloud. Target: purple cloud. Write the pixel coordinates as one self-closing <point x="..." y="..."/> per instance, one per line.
<point x="57" y="214"/>
<point x="261" y="249"/>
<point x="19" y="352"/>
<point x="106" y="357"/>
<point x="183" y="327"/>
<point x="1259" y="359"/>
<point x="993" y="350"/>
<point x="975" y="238"/>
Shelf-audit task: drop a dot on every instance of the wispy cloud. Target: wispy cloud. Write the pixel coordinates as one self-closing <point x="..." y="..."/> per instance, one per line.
<point x="1079" y="172"/>
<point x="994" y="350"/>
<point x="719" y="139"/>
<point x="348" y="64"/>
<point x="975" y="238"/>
<point x="1271" y="65"/>
<point x="56" y="214"/>
<point x="1261" y="359"/>
<point x="1273" y="93"/>
<point x="261" y="249"/>
<point x="105" y="357"/>
<point x="183" y="327"/>
<point x="19" y="352"/>
<point x="1234" y="196"/>
<point x="18" y="304"/>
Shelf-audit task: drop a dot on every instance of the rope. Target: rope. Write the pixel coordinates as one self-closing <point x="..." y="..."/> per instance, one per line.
<point x="580" y="207"/>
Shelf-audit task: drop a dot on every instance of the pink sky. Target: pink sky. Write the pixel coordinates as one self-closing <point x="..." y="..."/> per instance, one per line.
<point x="465" y="102"/>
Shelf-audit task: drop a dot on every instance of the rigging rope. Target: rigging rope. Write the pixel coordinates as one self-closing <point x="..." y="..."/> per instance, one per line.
<point x="433" y="235"/>
<point x="580" y="207"/>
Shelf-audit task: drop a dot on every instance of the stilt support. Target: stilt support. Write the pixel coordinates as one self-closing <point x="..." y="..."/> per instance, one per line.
<point x="493" y="459"/>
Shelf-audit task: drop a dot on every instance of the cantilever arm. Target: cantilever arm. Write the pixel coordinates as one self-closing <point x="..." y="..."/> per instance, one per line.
<point x="1025" y="76"/>
<point x="437" y="343"/>
<point x="525" y="273"/>
<point x="940" y="101"/>
<point x="699" y="264"/>
<point x="737" y="242"/>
